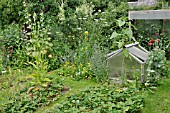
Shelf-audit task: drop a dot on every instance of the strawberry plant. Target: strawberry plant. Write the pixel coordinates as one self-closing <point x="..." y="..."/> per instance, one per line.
<point x="104" y="99"/>
<point x="29" y="99"/>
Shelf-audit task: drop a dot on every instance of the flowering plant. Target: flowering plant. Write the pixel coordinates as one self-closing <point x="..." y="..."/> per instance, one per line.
<point x="157" y="65"/>
<point x="154" y="43"/>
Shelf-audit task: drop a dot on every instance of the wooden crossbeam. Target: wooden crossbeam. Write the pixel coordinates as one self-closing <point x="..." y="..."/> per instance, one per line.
<point x="149" y="14"/>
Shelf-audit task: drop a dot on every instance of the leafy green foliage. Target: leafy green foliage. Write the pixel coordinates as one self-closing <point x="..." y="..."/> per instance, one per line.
<point x="123" y="35"/>
<point x="38" y="44"/>
<point x="73" y="37"/>
<point x="157" y="66"/>
<point x="10" y="11"/>
<point x="31" y="98"/>
<point x="63" y="27"/>
<point x="103" y="99"/>
<point x="1" y="66"/>
<point x="99" y="64"/>
<point x="78" y="71"/>
<point x="11" y="41"/>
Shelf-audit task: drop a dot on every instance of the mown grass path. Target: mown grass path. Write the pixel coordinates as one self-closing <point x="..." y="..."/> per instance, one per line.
<point x="159" y="102"/>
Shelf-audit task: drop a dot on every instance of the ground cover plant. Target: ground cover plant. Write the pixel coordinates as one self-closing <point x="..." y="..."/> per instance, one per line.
<point x="103" y="99"/>
<point x="28" y="100"/>
<point x="24" y="95"/>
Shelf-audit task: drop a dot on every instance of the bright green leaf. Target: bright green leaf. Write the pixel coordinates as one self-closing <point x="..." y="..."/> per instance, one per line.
<point x="121" y="23"/>
<point x="114" y="34"/>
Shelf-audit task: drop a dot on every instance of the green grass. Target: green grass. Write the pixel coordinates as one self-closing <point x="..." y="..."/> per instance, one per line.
<point x="75" y="87"/>
<point x="159" y="102"/>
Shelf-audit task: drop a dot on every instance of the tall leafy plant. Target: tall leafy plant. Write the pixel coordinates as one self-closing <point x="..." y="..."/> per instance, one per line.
<point x="158" y="67"/>
<point x="123" y="35"/>
<point x="99" y="64"/>
<point x="38" y="44"/>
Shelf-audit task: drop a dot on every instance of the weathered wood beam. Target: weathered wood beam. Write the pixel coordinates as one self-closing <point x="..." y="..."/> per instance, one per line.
<point x="147" y="2"/>
<point x="149" y="14"/>
<point x="133" y="4"/>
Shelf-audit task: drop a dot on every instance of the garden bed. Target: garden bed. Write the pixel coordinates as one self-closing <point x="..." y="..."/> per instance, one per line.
<point x="53" y="56"/>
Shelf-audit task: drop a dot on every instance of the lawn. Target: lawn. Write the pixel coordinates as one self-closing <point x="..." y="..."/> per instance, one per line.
<point x="159" y="102"/>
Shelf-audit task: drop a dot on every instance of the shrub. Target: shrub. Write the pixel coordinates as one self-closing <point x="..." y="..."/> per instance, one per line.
<point x="158" y="66"/>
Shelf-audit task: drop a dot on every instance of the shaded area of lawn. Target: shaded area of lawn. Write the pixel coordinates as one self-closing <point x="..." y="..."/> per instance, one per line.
<point x="159" y="102"/>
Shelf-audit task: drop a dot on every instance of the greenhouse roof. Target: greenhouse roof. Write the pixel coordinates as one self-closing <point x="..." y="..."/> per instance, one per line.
<point x="135" y="50"/>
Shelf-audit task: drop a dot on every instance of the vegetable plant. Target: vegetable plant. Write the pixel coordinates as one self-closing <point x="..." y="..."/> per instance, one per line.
<point x="103" y="99"/>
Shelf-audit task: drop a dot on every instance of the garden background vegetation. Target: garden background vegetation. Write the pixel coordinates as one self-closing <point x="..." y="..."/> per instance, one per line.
<point x="72" y="37"/>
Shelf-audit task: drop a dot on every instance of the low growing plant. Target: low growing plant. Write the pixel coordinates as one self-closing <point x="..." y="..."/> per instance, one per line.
<point x="29" y="99"/>
<point x="103" y="99"/>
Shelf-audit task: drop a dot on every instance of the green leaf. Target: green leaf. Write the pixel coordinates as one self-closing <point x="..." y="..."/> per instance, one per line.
<point x="120" y="44"/>
<point x="151" y="71"/>
<point x="114" y="34"/>
<point x="34" y="54"/>
<point x="46" y="80"/>
<point x="125" y="53"/>
<point x="121" y="23"/>
<point x="128" y="32"/>
<point x="34" y="75"/>
<point x="33" y="65"/>
<point x="30" y="48"/>
<point x="44" y="84"/>
<point x="126" y="109"/>
<point x="50" y="44"/>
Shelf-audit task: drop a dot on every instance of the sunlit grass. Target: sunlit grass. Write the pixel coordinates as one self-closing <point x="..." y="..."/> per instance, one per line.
<point x="159" y="102"/>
